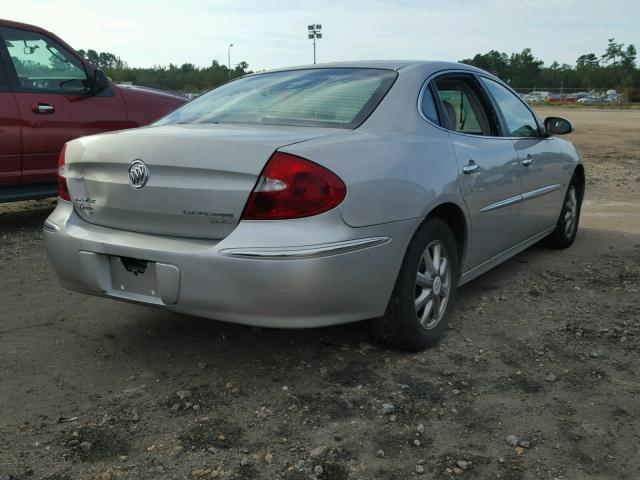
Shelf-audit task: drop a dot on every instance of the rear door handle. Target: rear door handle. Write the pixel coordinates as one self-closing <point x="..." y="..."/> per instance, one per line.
<point x="528" y="161"/>
<point x="470" y="167"/>
<point x="43" y="108"/>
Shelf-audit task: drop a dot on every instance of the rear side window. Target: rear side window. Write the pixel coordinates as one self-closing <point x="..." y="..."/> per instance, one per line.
<point x="327" y="97"/>
<point x="428" y="106"/>
<point x="464" y="109"/>
<point x="520" y="121"/>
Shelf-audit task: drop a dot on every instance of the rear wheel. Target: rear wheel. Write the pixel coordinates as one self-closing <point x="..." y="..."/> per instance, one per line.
<point x="567" y="226"/>
<point x="425" y="290"/>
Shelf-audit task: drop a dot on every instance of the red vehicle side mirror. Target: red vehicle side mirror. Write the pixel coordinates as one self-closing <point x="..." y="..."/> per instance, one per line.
<point x="99" y="82"/>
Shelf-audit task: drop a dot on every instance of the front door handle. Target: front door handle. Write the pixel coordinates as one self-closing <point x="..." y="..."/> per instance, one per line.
<point x="528" y="161"/>
<point x="43" y="108"/>
<point x="470" y="167"/>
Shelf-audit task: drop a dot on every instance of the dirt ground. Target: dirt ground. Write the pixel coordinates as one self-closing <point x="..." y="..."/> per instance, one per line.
<point x="544" y="348"/>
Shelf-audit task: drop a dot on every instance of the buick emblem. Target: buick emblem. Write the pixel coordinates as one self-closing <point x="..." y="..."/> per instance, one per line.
<point x="138" y="174"/>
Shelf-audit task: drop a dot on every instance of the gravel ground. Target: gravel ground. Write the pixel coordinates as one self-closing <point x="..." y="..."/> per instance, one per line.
<point x="536" y="378"/>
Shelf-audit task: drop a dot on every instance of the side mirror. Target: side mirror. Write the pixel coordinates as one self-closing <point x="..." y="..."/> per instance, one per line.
<point x="557" y="125"/>
<point x="100" y="81"/>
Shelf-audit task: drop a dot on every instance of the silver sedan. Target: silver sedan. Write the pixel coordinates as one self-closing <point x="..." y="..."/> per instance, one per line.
<point x="318" y="195"/>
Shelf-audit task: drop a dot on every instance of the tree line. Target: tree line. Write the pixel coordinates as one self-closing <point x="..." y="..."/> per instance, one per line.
<point x="614" y="68"/>
<point x="180" y="78"/>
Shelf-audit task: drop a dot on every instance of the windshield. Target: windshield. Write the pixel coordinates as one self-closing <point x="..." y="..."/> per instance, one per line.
<point x="326" y="97"/>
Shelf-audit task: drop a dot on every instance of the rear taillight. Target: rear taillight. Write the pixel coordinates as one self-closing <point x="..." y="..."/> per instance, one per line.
<point x="63" y="189"/>
<point x="292" y="187"/>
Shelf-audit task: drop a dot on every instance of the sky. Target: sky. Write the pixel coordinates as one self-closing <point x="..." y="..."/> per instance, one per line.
<point x="273" y="33"/>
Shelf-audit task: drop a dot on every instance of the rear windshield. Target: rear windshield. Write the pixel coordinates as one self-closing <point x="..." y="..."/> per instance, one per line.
<point x="325" y="97"/>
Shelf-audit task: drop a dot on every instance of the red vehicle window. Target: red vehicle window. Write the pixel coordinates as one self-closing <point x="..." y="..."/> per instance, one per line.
<point x="4" y="82"/>
<point x="43" y="65"/>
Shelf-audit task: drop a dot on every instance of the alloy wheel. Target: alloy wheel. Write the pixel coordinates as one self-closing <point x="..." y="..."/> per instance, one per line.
<point x="433" y="285"/>
<point x="570" y="211"/>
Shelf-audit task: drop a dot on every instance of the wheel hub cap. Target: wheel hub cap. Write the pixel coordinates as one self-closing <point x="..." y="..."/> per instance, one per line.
<point x="437" y="285"/>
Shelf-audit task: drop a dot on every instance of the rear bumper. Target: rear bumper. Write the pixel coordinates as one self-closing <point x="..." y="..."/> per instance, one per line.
<point x="285" y="274"/>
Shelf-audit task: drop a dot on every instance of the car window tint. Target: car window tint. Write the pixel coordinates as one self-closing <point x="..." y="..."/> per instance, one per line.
<point x="520" y="121"/>
<point x="324" y="97"/>
<point x="428" y="106"/>
<point x="463" y="108"/>
<point x="4" y="83"/>
<point x="42" y="64"/>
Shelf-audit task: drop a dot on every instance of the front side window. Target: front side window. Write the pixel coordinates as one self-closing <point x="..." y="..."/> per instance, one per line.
<point x="42" y="64"/>
<point x="520" y="121"/>
<point x="464" y="109"/>
<point x="325" y="97"/>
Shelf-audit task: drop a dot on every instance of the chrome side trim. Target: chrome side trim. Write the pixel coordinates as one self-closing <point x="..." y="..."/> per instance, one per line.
<point x="540" y="191"/>
<point x="502" y="203"/>
<point x="306" y="251"/>
<point x="521" y="198"/>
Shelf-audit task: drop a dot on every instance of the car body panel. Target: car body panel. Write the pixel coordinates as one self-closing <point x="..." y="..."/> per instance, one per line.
<point x="10" y="146"/>
<point x="543" y="183"/>
<point x="144" y="106"/>
<point x="489" y="194"/>
<point x="335" y="267"/>
<point x="389" y="183"/>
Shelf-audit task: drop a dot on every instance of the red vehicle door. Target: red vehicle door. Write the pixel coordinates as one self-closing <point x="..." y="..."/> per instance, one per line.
<point x="9" y="133"/>
<point x="55" y="104"/>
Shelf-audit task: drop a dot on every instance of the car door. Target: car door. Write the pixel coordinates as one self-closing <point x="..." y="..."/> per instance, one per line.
<point x="541" y="165"/>
<point x="489" y="171"/>
<point x="55" y="104"/>
<point x="9" y="133"/>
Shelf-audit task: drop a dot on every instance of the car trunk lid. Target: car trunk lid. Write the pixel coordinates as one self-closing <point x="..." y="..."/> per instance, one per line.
<point x="199" y="177"/>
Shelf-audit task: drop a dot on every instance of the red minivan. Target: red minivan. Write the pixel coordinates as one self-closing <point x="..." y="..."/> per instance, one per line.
<point x="49" y="95"/>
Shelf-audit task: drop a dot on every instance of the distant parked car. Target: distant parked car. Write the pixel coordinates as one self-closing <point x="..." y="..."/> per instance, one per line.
<point x="318" y="195"/>
<point x="49" y="95"/>
<point x="536" y="96"/>
<point x="590" y="100"/>
<point x="560" y="98"/>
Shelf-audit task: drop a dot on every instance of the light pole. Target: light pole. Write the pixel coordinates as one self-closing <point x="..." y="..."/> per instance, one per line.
<point x="314" y="32"/>
<point x="229" y="59"/>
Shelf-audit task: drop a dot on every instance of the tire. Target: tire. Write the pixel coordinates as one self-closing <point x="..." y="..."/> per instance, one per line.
<point x="407" y="323"/>
<point x="567" y="226"/>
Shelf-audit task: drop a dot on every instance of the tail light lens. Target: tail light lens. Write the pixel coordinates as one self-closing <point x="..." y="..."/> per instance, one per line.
<point x="63" y="189"/>
<point x="292" y="187"/>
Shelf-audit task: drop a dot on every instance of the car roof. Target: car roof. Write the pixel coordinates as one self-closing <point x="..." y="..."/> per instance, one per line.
<point x="23" y="26"/>
<point x="426" y="65"/>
